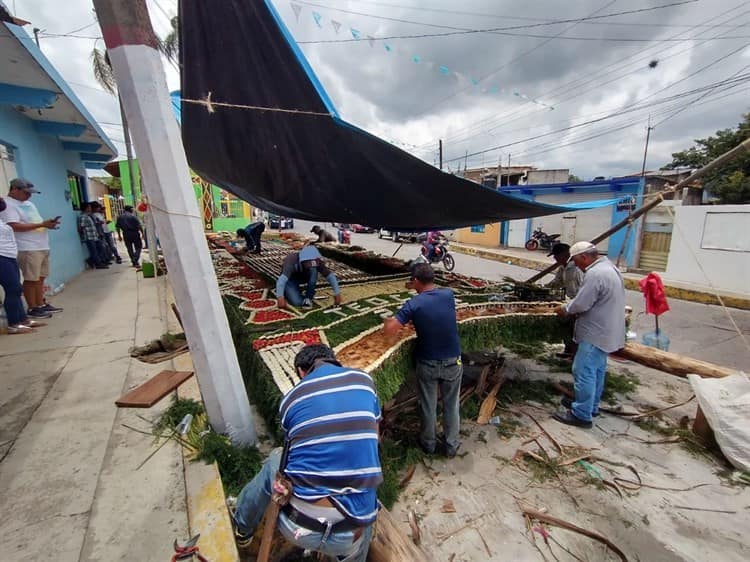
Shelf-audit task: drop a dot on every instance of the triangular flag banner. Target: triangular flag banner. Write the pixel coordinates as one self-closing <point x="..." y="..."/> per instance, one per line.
<point x="297" y="9"/>
<point x="474" y="82"/>
<point x="493" y="89"/>
<point x="317" y="17"/>
<point x="371" y="40"/>
<point x="416" y="59"/>
<point x="336" y="26"/>
<point x="356" y="34"/>
<point x="387" y="47"/>
<point x="444" y="70"/>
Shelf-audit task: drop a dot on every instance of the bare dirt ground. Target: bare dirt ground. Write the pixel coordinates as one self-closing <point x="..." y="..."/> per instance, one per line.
<point x="689" y="506"/>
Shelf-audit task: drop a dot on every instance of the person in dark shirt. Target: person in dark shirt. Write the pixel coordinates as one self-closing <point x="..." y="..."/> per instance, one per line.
<point x="437" y="354"/>
<point x="251" y="233"/>
<point x="323" y="235"/>
<point x="130" y="230"/>
<point x="303" y="267"/>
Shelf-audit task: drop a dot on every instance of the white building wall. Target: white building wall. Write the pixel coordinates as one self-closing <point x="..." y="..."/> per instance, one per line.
<point x="711" y="247"/>
<point x="575" y="225"/>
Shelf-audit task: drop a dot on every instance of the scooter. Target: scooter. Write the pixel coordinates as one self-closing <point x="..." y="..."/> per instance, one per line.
<point x="540" y="240"/>
<point x="439" y="254"/>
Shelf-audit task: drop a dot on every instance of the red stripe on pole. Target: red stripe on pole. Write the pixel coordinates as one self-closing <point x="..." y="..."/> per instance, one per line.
<point x="116" y="36"/>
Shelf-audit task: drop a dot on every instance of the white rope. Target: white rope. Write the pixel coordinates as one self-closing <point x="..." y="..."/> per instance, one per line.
<point x="708" y="279"/>
<point x="211" y="106"/>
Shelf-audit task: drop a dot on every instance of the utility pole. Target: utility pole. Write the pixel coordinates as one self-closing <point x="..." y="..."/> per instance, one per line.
<point x="36" y="36"/>
<point x="645" y="150"/>
<point x="440" y="152"/>
<point x="136" y="63"/>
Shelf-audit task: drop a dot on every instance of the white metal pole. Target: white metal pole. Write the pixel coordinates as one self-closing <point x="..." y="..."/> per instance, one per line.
<point x="137" y="65"/>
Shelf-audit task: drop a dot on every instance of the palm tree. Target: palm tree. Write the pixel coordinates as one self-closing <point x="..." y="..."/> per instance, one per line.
<point x="103" y="74"/>
<point x="170" y="45"/>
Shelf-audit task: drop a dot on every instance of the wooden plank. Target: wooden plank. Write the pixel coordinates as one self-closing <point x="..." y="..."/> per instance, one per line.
<point x="153" y="390"/>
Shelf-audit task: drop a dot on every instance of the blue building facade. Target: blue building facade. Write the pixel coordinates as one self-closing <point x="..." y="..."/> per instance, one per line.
<point x="48" y="137"/>
<point x="597" y="205"/>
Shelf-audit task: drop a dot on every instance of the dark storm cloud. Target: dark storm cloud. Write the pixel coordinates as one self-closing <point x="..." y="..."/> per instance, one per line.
<point x="416" y="105"/>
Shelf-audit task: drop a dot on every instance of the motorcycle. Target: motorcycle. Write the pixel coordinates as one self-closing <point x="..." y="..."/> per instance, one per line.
<point x="541" y="240"/>
<point x="344" y="234"/>
<point x="439" y="254"/>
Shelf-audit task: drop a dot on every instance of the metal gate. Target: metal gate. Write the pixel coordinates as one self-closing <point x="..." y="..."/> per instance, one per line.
<point x="655" y="251"/>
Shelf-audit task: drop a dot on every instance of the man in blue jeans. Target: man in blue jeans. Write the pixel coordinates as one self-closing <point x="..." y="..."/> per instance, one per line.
<point x="599" y="307"/>
<point x="329" y="470"/>
<point x="251" y="234"/>
<point x="438" y="355"/>
<point x="303" y="267"/>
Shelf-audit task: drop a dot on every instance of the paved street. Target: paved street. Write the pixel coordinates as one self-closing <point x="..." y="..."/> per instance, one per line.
<point x="696" y="330"/>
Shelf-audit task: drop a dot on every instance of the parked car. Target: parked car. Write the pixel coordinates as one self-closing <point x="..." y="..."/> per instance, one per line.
<point x="407" y="236"/>
<point x="279" y="222"/>
<point x="362" y="228"/>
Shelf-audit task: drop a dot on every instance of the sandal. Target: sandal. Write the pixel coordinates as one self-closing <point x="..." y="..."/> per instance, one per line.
<point x="20" y="329"/>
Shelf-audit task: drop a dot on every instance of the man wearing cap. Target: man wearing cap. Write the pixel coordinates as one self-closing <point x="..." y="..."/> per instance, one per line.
<point x="303" y="267"/>
<point x="251" y="234"/>
<point x="570" y="278"/>
<point x="323" y="235"/>
<point x="30" y="230"/>
<point x="599" y="307"/>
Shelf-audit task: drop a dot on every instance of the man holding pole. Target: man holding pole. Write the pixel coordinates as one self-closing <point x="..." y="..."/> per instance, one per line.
<point x="328" y="473"/>
<point x="599" y="330"/>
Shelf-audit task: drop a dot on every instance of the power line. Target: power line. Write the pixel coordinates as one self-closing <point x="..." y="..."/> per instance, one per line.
<point x="460" y="30"/>
<point x="596" y="78"/>
<point x="569" y="86"/>
<point x="512" y="17"/>
<point x="622" y="111"/>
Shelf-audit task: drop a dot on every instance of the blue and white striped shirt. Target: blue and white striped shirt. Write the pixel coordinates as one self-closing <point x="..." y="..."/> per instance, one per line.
<point x="331" y="421"/>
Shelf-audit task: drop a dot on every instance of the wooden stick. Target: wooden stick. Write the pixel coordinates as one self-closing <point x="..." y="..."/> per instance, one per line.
<point x="534" y="514"/>
<point x="272" y="514"/>
<point x="488" y="406"/>
<point x="704" y="509"/>
<point x="660" y="410"/>
<point x="416" y="536"/>
<point x="672" y="363"/>
<point x="177" y="315"/>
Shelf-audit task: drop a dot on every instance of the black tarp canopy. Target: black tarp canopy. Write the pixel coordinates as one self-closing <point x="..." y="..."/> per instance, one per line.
<point x="308" y="164"/>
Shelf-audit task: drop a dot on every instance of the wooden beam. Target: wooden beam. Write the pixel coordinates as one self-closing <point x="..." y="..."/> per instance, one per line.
<point x="153" y="390"/>
<point x="671" y="362"/>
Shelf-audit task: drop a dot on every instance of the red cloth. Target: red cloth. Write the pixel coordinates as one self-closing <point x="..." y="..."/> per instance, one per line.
<point x="653" y="290"/>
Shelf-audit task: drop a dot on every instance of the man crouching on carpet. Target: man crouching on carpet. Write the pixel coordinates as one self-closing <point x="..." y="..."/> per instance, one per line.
<point x="329" y="467"/>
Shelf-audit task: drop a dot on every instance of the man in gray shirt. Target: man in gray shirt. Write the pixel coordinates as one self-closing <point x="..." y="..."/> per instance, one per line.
<point x="599" y="330"/>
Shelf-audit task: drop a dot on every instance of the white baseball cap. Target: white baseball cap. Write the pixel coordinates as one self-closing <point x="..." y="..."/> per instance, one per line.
<point x="581" y="248"/>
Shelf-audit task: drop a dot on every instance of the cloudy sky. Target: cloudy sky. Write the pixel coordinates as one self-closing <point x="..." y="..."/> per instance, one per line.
<point x="552" y="84"/>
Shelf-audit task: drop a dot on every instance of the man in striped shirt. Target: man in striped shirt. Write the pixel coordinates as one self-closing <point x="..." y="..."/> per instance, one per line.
<point x="330" y="421"/>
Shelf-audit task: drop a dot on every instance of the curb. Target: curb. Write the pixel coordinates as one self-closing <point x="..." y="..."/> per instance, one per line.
<point x="630" y="283"/>
<point x="206" y="503"/>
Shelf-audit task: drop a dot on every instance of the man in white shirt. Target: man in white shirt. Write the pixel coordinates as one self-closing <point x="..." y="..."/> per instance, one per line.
<point x="30" y="230"/>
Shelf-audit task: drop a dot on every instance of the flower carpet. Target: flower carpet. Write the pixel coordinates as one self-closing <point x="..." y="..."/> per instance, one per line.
<point x="267" y="338"/>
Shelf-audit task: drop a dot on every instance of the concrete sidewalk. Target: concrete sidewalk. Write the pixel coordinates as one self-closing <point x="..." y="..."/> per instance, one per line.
<point x="539" y="261"/>
<point x="70" y="489"/>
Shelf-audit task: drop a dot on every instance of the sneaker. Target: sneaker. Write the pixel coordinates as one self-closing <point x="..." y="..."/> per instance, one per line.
<point x="50" y="308"/>
<point x="38" y="313"/>
<point x="33" y="323"/>
<point x="568" y="418"/>
<point x="568" y="403"/>
<point x="307" y="303"/>
<point x="452" y="453"/>
<point x="243" y="540"/>
<point x="20" y="329"/>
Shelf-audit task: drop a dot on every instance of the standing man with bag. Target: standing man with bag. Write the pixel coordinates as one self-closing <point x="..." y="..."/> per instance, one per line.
<point x="438" y="355"/>
<point x="329" y="471"/>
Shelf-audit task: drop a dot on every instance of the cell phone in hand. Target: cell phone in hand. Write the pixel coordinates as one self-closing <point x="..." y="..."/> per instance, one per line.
<point x="57" y="218"/>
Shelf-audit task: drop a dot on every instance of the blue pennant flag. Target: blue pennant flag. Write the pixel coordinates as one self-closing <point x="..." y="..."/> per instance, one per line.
<point x="317" y="17"/>
<point x="387" y="47"/>
<point x="356" y="34"/>
<point x="444" y="71"/>
<point x="474" y="82"/>
<point x="416" y="59"/>
<point x="493" y="90"/>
